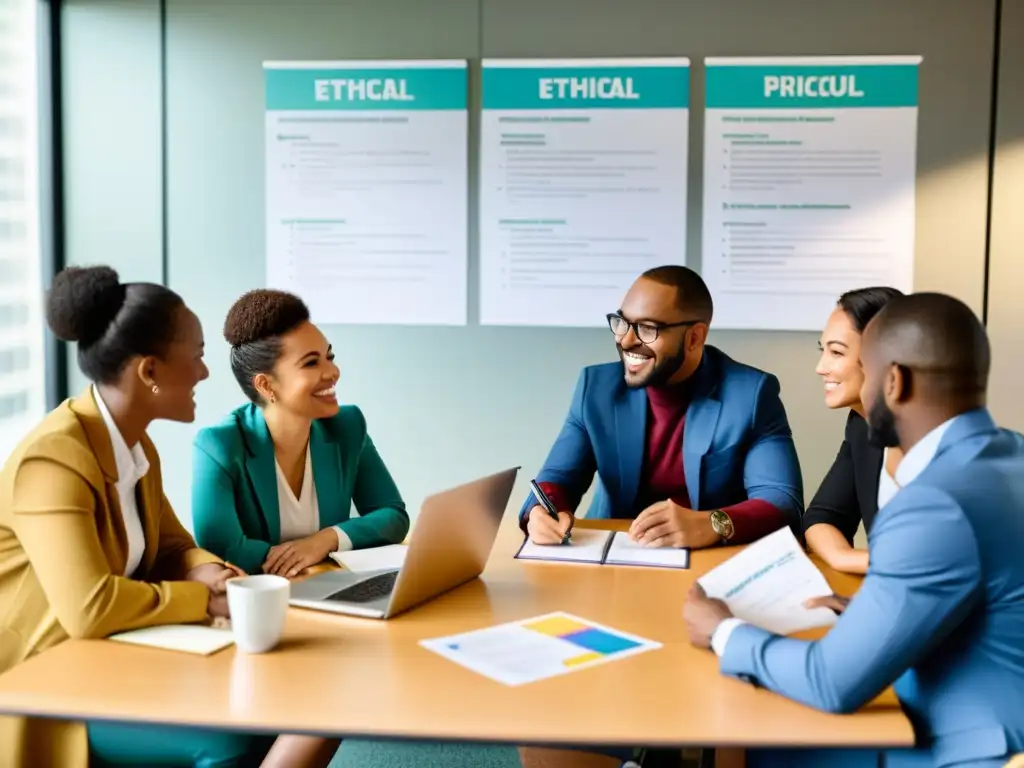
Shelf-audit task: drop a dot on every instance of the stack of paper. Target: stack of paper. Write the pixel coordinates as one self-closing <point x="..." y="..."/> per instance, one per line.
<point x="767" y="583"/>
<point x="389" y="557"/>
<point x="190" y="638"/>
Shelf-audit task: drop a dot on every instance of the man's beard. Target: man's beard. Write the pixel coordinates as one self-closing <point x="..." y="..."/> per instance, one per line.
<point x="882" y="425"/>
<point x="660" y="372"/>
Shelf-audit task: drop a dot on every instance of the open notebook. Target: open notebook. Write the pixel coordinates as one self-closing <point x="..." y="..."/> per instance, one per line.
<point x="605" y="548"/>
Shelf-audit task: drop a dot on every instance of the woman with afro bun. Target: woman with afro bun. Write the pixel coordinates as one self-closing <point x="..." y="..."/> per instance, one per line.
<point x="89" y="545"/>
<point x="274" y="482"/>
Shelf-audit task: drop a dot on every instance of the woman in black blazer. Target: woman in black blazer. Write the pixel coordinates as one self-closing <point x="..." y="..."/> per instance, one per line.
<point x="857" y="484"/>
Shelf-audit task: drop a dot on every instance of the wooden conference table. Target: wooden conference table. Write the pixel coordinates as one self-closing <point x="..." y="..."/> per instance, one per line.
<point x="334" y="675"/>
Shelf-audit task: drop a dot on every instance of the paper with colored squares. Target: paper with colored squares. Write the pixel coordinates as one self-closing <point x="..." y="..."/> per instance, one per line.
<point x="533" y="649"/>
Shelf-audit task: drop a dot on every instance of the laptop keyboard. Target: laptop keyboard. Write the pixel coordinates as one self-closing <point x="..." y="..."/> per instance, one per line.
<point x="366" y="591"/>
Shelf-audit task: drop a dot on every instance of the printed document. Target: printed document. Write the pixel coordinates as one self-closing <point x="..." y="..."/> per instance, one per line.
<point x="555" y="157"/>
<point x="767" y="583"/>
<point x="534" y="649"/>
<point x="794" y="181"/>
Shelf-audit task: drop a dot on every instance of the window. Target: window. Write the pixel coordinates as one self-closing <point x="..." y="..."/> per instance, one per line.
<point x="22" y="351"/>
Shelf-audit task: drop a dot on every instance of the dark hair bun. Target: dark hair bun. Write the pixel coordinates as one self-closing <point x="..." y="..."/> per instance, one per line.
<point x="263" y="314"/>
<point x="83" y="302"/>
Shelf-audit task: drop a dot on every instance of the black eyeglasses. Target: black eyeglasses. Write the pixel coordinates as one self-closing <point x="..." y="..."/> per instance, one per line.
<point x="645" y="332"/>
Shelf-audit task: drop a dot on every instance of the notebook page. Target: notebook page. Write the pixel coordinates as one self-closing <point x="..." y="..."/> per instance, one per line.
<point x="626" y="552"/>
<point x="389" y="557"/>
<point x="190" y="638"/>
<point x="587" y="546"/>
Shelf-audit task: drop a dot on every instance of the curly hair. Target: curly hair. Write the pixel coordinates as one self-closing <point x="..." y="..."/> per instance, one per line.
<point x="254" y="327"/>
<point x="111" y="321"/>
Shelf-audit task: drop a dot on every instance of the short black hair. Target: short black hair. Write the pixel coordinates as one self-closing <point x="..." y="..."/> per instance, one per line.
<point x="862" y="304"/>
<point x="692" y="292"/>
<point x="254" y="327"/>
<point x="111" y="321"/>
<point x="938" y="337"/>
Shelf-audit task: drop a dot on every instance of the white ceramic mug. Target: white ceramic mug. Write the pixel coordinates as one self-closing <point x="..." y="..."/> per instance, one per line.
<point x="258" y="606"/>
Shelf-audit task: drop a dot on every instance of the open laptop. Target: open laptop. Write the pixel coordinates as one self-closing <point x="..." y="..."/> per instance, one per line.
<point x="450" y="544"/>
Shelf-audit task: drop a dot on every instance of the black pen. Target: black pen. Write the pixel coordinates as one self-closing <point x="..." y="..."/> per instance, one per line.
<point x="546" y="503"/>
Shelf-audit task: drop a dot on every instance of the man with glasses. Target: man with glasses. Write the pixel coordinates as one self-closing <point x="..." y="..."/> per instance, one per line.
<point x="692" y="446"/>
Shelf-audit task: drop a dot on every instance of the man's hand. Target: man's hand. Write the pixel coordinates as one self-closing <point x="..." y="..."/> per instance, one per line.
<point x="666" y="524"/>
<point x="703" y="615"/>
<point x="292" y="557"/>
<point x="542" y="528"/>
<point x="832" y="602"/>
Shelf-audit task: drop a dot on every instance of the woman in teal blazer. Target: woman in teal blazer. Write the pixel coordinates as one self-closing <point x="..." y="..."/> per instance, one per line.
<point x="273" y="484"/>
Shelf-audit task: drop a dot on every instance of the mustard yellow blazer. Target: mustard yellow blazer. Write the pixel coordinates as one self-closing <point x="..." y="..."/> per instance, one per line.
<point x="63" y="547"/>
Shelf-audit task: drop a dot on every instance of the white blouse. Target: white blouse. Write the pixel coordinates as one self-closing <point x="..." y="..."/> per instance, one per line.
<point x="300" y="517"/>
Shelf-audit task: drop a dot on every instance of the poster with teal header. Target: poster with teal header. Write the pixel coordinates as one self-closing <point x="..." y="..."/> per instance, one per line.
<point x="367" y="189"/>
<point x="809" y="178"/>
<point x="582" y="184"/>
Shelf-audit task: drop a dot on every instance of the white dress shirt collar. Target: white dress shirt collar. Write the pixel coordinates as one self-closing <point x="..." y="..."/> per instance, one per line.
<point x="132" y="464"/>
<point x="887" y="486"/>
<point x="917" y="459"/>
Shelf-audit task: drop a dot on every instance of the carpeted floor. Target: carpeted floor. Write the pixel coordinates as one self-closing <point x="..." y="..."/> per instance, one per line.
<point x="377" y="754"/>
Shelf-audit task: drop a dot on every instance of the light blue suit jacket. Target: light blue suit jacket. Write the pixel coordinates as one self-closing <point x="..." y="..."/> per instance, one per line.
<point x="940" y="612"/>
<point x="737" y="444"/>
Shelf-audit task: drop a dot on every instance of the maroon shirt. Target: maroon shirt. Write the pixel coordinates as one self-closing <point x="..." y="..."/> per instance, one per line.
<point x="662" y="475"/>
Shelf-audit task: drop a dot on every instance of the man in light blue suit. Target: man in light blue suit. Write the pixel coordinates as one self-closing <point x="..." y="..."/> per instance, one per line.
<point x="940" y="613"/>
<point x="691" y="445"/>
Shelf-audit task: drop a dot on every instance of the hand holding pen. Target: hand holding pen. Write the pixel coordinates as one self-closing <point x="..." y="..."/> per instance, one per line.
<point x="546" y="524"/>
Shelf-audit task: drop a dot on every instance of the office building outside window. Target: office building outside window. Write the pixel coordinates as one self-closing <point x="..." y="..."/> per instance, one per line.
<point x="22" y="351"/>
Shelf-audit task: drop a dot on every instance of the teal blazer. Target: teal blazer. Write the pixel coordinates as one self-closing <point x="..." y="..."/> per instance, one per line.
<point x="234" y="486"/>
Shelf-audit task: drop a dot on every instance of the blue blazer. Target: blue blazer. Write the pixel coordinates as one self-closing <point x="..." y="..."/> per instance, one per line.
<point x="940" y="612"/>
<point x="235" y="510"/>
<point x="737" y="444"/>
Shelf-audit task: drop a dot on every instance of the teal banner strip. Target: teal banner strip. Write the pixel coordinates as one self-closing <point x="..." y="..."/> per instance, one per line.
<point x="811" y="86"/>
<point x="366" y="89"/>
<point x="552" y="88"/>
